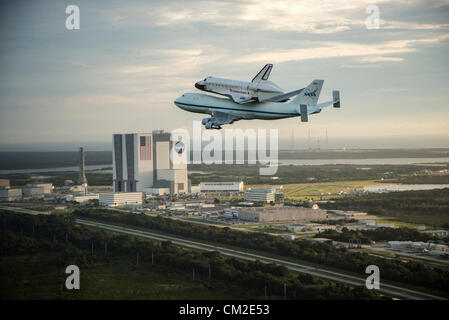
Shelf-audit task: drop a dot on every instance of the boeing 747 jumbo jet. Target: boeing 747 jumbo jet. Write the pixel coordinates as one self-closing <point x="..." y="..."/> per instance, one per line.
<point x="258" y="90"/>
<point x="224" y="111"/>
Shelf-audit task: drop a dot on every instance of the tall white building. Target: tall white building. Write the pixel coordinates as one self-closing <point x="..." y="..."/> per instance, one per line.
<point x="259" y="195"/>
<point x="142" y="163"/>
<point x="120" y="198"/>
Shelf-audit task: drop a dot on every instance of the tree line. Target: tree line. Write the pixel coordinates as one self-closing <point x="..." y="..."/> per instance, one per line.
<point x="321" y="253"/>
<point x="74" y="244"/>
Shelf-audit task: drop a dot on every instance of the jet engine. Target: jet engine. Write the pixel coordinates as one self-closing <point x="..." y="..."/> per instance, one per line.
<point x="209" y="123"/>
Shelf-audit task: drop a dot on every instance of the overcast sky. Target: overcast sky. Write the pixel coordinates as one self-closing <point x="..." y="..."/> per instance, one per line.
<point x="130" y="60"/>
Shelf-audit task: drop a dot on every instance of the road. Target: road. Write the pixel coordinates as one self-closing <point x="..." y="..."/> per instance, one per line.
<point x="388" y="289"/>
<point x="24" y="210"/>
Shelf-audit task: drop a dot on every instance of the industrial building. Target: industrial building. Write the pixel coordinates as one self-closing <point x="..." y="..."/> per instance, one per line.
<point x="436" y="233"/>
<point x="310" y="227"/>
<point x="9" y="194"/>
<point x="260" y="195"/>
<point x="281" y="213"/>
<point x="33" y="192"/>
<point x="115" y="199"/>
<point x="4" y="183"/>
<point x="142" y="163"/>
<point x="47" y="187"/>
<point x="82" y="197"/>
<point x="221" y="186"/>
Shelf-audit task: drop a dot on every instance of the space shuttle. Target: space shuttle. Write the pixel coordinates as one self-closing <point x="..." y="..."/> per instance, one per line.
<point x="258" y="90"/>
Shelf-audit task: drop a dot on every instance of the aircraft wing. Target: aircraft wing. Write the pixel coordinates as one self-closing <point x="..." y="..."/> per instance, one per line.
<point x="224" y="118"/>
<point x="284" y="97"/>
<point x="335" y="102"/>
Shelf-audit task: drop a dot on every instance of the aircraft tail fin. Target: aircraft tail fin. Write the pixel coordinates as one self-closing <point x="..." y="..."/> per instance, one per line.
<point x="310" y="94"/>
<point x="263" y="74"/>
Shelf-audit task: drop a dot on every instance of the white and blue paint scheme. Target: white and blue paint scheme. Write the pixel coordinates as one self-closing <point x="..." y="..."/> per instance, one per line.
<point x="241" y="92"/>
<point x="225" y="111"/>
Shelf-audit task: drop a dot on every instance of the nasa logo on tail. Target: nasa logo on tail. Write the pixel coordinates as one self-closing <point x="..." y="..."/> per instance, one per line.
<point x="179" y="147"/>
<point x="311" y="94"/>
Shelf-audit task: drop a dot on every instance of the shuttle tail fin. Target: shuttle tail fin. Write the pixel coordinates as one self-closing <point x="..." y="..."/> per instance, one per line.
<point x="263" y="74"/>
<point x="310" y="94"/>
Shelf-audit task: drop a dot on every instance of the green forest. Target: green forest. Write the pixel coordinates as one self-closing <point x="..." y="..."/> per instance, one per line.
<point x="412" y="273"/>
<point x="36" y="249"/>
<point x="378" y="234"/>
<point x="429" y="207"/>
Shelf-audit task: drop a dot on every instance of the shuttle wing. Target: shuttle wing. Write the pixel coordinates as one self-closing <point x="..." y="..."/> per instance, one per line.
<point x="284" y="97"/>
<point x="240" y="99"/>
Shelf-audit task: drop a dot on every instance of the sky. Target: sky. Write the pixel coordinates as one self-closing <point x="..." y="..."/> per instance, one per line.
<point x="128" y="62"/>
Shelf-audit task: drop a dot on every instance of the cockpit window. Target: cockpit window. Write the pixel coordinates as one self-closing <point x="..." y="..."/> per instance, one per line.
<point x="205" y="79"/>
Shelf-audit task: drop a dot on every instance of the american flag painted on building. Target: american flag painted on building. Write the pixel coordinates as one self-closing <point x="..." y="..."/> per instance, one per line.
<point x="145" y="148"/>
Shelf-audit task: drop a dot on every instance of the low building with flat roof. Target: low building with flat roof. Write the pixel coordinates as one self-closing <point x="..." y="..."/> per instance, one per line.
<point x="4" y="183"/>
<point x="81" y="198"/>
<point x="436" y="233"/>
<point x="47" y="187"/>
<point x="10" y="194"/>
<point x="281" y="213"/>
<point x="229" y="186"/>
<point x="33" y="192"/>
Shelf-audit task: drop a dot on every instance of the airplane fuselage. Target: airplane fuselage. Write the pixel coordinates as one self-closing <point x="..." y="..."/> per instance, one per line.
<point x="202" y="103"/>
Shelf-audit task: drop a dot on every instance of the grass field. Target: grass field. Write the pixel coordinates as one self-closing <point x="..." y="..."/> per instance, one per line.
<point x="314" y="191"/>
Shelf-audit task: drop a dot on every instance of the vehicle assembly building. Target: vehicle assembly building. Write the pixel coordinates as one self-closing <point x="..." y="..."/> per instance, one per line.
<point x="142" y="163"/>
<point x="281" y="213"/>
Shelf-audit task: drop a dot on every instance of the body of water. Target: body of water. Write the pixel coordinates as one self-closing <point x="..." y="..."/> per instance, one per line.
<point x="387" y="161"/>
<point x="283" y="162"/>
<point x="88" y="168"/>
<point x="404" y="187"/>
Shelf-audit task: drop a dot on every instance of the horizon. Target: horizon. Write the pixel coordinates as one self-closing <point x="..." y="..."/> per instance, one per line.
<point x="299" y="143"/>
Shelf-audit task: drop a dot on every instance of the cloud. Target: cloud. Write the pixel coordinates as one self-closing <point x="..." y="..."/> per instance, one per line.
<point x="322" y="17"/>
<point x="373" y="52"/>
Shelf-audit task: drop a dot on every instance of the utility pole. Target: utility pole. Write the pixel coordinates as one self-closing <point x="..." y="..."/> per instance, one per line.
<point x="291" y="140"/>
<point x="152" y="258"/>
<point x="285" y="290"/>
<point x="210" y="273"/>
<point x="308" y="140"/>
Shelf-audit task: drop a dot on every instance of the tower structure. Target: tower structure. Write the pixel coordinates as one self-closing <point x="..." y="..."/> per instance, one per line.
<point x="82" y="180"/>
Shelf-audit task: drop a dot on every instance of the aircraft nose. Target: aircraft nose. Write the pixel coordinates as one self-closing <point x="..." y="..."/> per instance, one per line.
<point x="200" y="86"/>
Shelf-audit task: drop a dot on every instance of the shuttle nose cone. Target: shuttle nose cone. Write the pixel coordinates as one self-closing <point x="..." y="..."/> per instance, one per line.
<point x="200" y="86"/>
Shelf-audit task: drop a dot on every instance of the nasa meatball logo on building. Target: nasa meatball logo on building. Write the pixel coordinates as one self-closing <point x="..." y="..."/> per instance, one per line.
<point x="179" y="147"/>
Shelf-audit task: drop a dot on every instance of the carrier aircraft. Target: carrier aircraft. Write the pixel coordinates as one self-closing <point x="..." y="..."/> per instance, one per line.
<point x="225" y="111"/>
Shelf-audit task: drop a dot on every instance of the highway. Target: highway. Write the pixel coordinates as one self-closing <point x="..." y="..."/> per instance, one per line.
<point x="388" y="289"/>
<point x="24" y="210"/>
